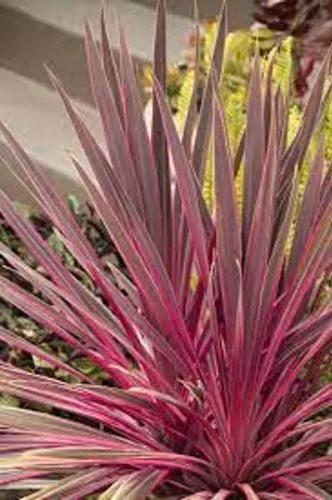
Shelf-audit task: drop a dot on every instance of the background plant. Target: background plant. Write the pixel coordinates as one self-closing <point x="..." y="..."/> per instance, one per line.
<point x="214" y="390"/>
<point x="308" y="21"/>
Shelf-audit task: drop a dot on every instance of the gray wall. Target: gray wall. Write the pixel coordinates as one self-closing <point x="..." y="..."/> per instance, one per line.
<point x="35" y="32"/>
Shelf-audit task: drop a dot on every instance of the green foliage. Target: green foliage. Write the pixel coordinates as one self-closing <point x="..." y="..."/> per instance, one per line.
<point x="239" y="52"/>
<point x="240" y="49"/>
<point x="184" y="97"/>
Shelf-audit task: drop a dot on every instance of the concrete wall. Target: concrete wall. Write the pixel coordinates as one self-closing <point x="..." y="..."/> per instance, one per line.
<point x="35" y="32"/>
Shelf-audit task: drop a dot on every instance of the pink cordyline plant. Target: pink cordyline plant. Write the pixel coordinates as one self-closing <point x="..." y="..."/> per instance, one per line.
<point x="215" y="389"/>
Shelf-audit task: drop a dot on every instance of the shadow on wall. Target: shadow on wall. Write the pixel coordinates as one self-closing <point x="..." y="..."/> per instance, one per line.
<point x="52" y="46"/>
